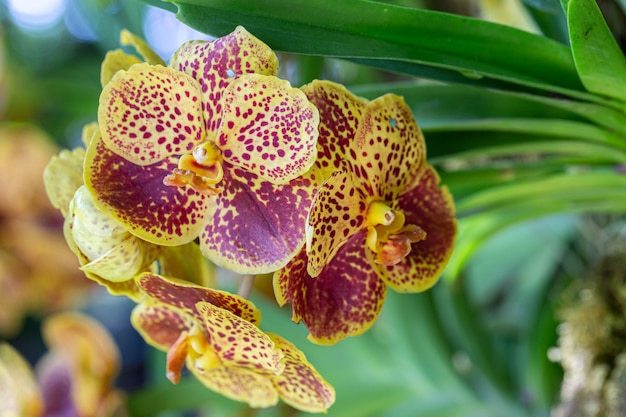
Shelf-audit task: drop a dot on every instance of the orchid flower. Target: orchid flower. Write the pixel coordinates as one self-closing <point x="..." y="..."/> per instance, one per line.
<point x="380" y="219"/>
<point x="214" y="147"/>
<point x="216" y="336"/>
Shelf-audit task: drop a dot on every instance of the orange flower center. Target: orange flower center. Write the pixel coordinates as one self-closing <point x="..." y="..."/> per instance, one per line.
<point x="387" y="234"/>
<point x="202" y="170"/>
<point x="192" y="348"/>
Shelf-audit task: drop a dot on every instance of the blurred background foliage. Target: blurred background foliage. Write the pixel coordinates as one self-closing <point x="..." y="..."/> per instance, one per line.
<point x="484" y="342"/>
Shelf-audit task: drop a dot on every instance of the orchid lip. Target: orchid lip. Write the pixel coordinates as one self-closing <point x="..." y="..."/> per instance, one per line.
<point x="202" y="170"/>
<point x="388" y="236"/>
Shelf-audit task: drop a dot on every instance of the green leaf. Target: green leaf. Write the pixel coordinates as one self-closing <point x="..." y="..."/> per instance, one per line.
<point x="395" y="37"/>
<point x="599" y="60"/>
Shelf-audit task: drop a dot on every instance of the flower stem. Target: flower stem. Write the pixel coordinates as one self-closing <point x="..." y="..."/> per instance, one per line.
<point x="245" y="287"/>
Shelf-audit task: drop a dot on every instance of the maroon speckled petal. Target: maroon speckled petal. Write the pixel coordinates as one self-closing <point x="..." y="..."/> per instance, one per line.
<point x="238" y="342"/>
<point x="300" y="385"/>
<point x="344" y="300"/>
<point x="217" y="63"/>
<point x="151" y="112"/>
<point x="388" y="149"/>
<point x="268" y="128"/>
<point x="136" y="196"/>
<point x="160" y="324"/>
<point x="431" y="208"/>
<point x="337" y="213"/>
<point x="185" y="295"/>
<point x="256" y="226"/>
<point x="340" y="112"/>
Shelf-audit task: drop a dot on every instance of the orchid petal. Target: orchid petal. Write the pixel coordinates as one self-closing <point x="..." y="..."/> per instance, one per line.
<point x="150" y="112"/>
<point x="217" y="63"/>
<point x="339" y="112"/>
<point x="344" y="300"/>
<point x="432" y="209"/>
<point x="160" y="324"/>
<point x="239" y="384"/>
<point x="238" y="342"/>
<point x="185" y="295"/>
<point x="388" y="149"/>
<point x="268" y="128"/>
<point x="85" y="342"/>
<point x="300" y="385"/>
<point x="128" y="38"/>
<point x="89" y="352"/>
<point x="336" y="214"/>
<point x="255" y="226"/>
<point x="62" y="177"/>
<point x="114" y="61"/>
<point x="137" y="197"/>
<point x="112" y="252"/>
<point x="18" y="387"/>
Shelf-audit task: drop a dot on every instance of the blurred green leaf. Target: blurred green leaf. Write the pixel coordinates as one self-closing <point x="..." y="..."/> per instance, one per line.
<point x="404" y="39"/>
<point x="599" y="60"/>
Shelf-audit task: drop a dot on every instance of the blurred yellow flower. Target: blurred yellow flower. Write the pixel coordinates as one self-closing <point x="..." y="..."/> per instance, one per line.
<point x="74" y="378"/>
<point x="30" y="231"/>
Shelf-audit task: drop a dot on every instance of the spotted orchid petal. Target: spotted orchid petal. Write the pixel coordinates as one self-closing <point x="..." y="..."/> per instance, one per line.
<point x="388" y="149"/>
<point x="337" y="213"/>
<point x="430" y="207"/>
<point x="137" y="197"/>
<point x="110" y="251"/>
<point x="150" y="112"/>
<point x="114" y="61"/>
<point x="216" y="64"/>
<point x="343" y="300"/>
<point x="268" y="128"/>
<point x="256" y="227"/>
<point x="18" y="388"/>
<point x="238" y="342"/>
<point x="185" y="295"/>
<point x="63" y="176"/>
<point x="239" y="384"/>
<point x="339" y="112"/>
<point x="300" y="385"/>
<point x="160" y="324"/>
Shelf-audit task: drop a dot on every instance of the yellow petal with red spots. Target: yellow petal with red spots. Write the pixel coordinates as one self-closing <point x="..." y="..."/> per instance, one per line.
<point x="388" y="149"/>
<point x="239" y="384"/>
<point x="114" y="61"/>
<point x="431" y="208"/>
<point x="238" y="342"/>
<point x="18" y="388"/>
<point x="160" y="324"/>
<point x="255" y="227"/>
<point x="151" y="112"/>
<point x="336" y="214"/>
<point x="62" y="177"/>
<point x="217" y="63"/>
<point x="340" y="112"/>
<point x="343" y="300"/>
<point x="300" y="385"/>
<point x="185" y="295"/>
<point x="268" y="128"/>
<point x="136" y="197"/>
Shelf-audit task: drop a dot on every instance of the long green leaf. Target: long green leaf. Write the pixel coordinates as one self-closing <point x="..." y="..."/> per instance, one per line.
<point x="374" y="31"/>
<point x="599" y="60"/>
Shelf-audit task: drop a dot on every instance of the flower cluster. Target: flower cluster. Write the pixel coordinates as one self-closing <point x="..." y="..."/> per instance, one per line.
<point x="213" y="157"/>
